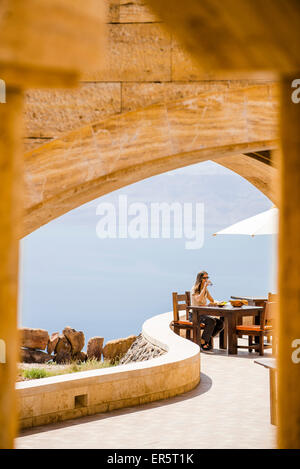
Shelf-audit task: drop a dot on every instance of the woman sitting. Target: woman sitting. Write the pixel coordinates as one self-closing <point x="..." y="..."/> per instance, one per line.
<point x="199" y="297"/>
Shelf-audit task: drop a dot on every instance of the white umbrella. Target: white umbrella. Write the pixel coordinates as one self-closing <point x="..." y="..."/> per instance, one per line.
<point x="264" y="223"/>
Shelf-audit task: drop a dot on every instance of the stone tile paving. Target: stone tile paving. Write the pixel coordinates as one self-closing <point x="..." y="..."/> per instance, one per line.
<point x="229" y="409"/>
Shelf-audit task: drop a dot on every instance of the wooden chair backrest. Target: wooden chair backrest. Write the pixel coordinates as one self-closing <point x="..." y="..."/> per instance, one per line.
<point x="268" y="314"/>
<point x="272" y="297"/>
<point x="180" y="303"/>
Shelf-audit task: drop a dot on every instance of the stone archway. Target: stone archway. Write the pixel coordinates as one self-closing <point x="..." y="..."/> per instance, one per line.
<point x="125" y="148"/>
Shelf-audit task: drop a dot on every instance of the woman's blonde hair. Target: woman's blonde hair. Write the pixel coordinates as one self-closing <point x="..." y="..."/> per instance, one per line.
<point x="199" y="280"/>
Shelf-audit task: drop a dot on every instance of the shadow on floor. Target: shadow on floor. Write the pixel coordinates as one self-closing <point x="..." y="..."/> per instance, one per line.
<point x="242" y="353"/>
<point x="204" y="386"/>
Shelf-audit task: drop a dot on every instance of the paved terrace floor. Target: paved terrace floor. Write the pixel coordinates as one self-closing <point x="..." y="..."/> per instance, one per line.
<point x="229" y="409"/>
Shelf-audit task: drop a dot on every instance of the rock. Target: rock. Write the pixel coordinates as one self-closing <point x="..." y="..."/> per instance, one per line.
<point x="115" y="349"/>
<point x="141" y="350"/>
<point x="63" y="345"/>
<point x="52" y="342"/>
<point x="80" y="357"/>
<point x="63" y="357"/>
<point x="94" y="348"/>
<point x="34" y="339"/>
<point x="76" y="339"/>
<point x="34" y="356"/>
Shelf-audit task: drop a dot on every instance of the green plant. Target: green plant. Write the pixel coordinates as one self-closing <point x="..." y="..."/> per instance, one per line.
<point x="91" y="364"/>
<point x="35" y="373"/>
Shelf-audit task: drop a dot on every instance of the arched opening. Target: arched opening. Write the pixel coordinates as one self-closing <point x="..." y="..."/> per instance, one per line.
<point x="110" y="286"/>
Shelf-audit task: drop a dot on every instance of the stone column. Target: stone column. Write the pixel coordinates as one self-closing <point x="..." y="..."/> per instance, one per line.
<point x="10" y="219"/>
<point x="289" y="269"/>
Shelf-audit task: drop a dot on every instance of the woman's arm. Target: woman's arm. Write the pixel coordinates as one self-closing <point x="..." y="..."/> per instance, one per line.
<point x="200" y="297"/>
<point x="210" y="297"/>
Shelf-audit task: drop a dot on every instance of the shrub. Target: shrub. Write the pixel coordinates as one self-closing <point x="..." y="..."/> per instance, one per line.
<point x="35" y="373"/>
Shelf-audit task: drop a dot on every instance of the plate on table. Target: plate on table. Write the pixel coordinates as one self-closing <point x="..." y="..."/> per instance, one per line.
<point x="220" y="304"/>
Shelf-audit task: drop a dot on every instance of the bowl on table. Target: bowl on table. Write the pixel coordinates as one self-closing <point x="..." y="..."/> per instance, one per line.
<point x="238" y="303"/>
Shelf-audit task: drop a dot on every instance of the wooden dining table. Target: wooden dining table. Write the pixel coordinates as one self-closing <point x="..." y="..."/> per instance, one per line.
<point x="230" y="315"/>
<point x="252" y="300"/>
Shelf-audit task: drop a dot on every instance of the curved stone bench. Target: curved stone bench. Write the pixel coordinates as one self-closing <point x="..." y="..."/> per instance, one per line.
<point x="69" y="396"/>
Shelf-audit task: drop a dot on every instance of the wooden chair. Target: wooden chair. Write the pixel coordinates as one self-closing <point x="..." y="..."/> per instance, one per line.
<point x="273" y="297"/>
<point x="265" y="328"/>
<point x="181" y="303"/>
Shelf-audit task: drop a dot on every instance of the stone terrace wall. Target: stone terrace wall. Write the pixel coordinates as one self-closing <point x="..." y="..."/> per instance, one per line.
<point x="59" y="398"/>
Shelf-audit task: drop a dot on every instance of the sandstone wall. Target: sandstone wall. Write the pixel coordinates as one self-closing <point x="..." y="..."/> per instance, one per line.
<point x="143" y="65"/>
